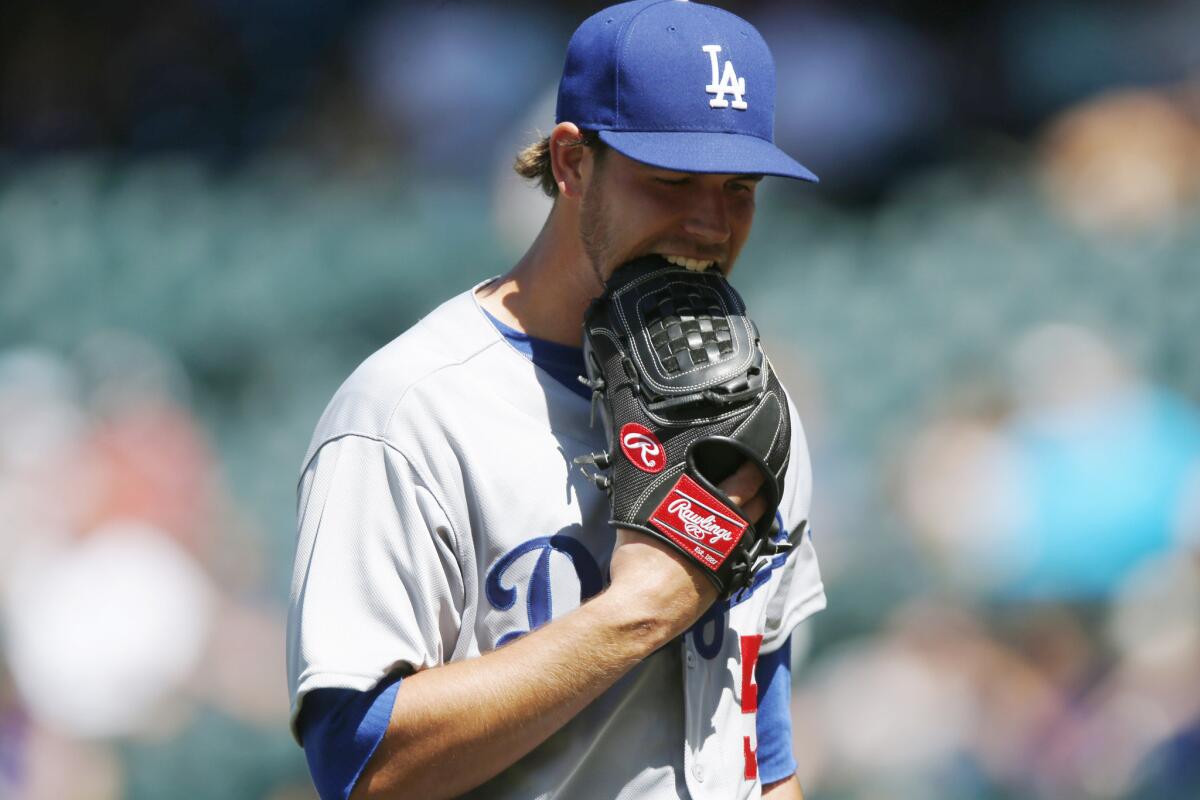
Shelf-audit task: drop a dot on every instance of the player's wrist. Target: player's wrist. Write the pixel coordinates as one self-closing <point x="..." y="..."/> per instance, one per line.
<point x="632" y="618"/>
<point x="656" y="591"/>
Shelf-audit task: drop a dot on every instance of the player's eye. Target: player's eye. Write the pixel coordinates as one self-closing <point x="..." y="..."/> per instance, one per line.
<point x="746" y="185"/>
<point x="672" y="181"/>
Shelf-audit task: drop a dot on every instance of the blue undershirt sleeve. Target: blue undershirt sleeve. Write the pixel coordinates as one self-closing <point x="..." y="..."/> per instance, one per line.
<point x="773" y="673"/>
<point x="340" y="729"/>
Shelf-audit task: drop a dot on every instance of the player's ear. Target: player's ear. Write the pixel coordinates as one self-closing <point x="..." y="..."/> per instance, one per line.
<point x="567" y="155"/>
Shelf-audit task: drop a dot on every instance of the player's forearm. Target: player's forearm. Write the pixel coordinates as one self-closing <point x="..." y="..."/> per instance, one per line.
<point x="787" y="789"/>
<point x="455" y="726"/>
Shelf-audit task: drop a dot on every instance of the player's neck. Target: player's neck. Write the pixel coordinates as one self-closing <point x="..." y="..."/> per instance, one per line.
<point x="547" y="291"/>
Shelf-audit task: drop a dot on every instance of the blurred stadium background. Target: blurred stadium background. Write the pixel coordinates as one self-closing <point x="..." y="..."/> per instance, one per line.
<point x="211" y="211"/>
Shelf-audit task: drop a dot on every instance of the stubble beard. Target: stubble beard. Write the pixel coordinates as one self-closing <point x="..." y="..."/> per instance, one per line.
<point x="594" y="230"/>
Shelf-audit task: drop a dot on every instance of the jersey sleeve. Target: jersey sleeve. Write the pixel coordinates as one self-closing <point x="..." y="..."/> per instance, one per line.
<point x="377" y="587"/>
<point x="773" y="722"/>
<point x="341" y="730"/>
<point x="798" y="592"/>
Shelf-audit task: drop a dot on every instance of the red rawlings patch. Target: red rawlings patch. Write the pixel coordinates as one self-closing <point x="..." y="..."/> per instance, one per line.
<point x="642" y="448"/>
<point x="701" y="524"/>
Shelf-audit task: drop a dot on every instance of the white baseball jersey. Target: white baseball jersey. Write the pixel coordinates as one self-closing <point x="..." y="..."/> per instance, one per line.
<point x="440" y="515"/>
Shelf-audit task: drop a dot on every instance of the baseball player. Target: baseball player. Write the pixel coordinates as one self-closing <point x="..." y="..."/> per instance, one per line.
<point x="465" y="619"/>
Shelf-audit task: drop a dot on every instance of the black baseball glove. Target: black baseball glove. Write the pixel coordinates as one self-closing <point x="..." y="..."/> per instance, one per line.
<point x="687" y="395"/>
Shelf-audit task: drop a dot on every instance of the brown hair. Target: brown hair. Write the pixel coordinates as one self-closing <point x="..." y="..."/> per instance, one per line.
<point x="533" y="162"/>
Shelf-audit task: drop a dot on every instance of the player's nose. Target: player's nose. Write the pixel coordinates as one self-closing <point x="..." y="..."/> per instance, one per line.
<point x="707" y="219"/>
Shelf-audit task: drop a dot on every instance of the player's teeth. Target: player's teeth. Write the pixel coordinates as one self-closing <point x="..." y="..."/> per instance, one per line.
<point x="693" y="264"/>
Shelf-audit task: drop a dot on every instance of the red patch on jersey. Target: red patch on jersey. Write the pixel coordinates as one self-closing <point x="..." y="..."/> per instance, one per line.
<point x="750" y="647"/>
<point x="642" y="448"/>
<point x="750" y="759"/>
<point x="702" y="525"/>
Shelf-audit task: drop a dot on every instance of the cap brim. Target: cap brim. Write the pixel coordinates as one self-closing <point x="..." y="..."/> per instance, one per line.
<point x="703" y="151"/>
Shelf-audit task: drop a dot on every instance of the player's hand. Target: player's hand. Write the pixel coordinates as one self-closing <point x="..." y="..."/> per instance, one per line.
<point x="656" y="579"/>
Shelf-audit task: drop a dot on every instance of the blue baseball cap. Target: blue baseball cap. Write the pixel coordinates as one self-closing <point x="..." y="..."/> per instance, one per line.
<point x="677" y="85"/>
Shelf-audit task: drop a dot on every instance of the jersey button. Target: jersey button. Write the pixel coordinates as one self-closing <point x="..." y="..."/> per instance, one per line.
<point x="698" y="772"/>
<point x="691" y="659"/>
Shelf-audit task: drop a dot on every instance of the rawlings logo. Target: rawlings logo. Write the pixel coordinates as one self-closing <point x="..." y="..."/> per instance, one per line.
<point x="700" y="528"/>
<point x="642" y="448"/>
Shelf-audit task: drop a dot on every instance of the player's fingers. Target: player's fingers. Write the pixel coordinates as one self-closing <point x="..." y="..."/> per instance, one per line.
<point x="755" y="508"/>
<point x="743" y="485"/>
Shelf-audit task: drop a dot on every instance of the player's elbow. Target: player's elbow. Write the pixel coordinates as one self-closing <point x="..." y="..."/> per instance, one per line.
<point x="408" y="765"/>
<point x="396" y="775"/>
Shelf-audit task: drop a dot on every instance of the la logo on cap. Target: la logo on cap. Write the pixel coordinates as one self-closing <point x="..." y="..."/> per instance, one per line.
<point x="726" y="82"/>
